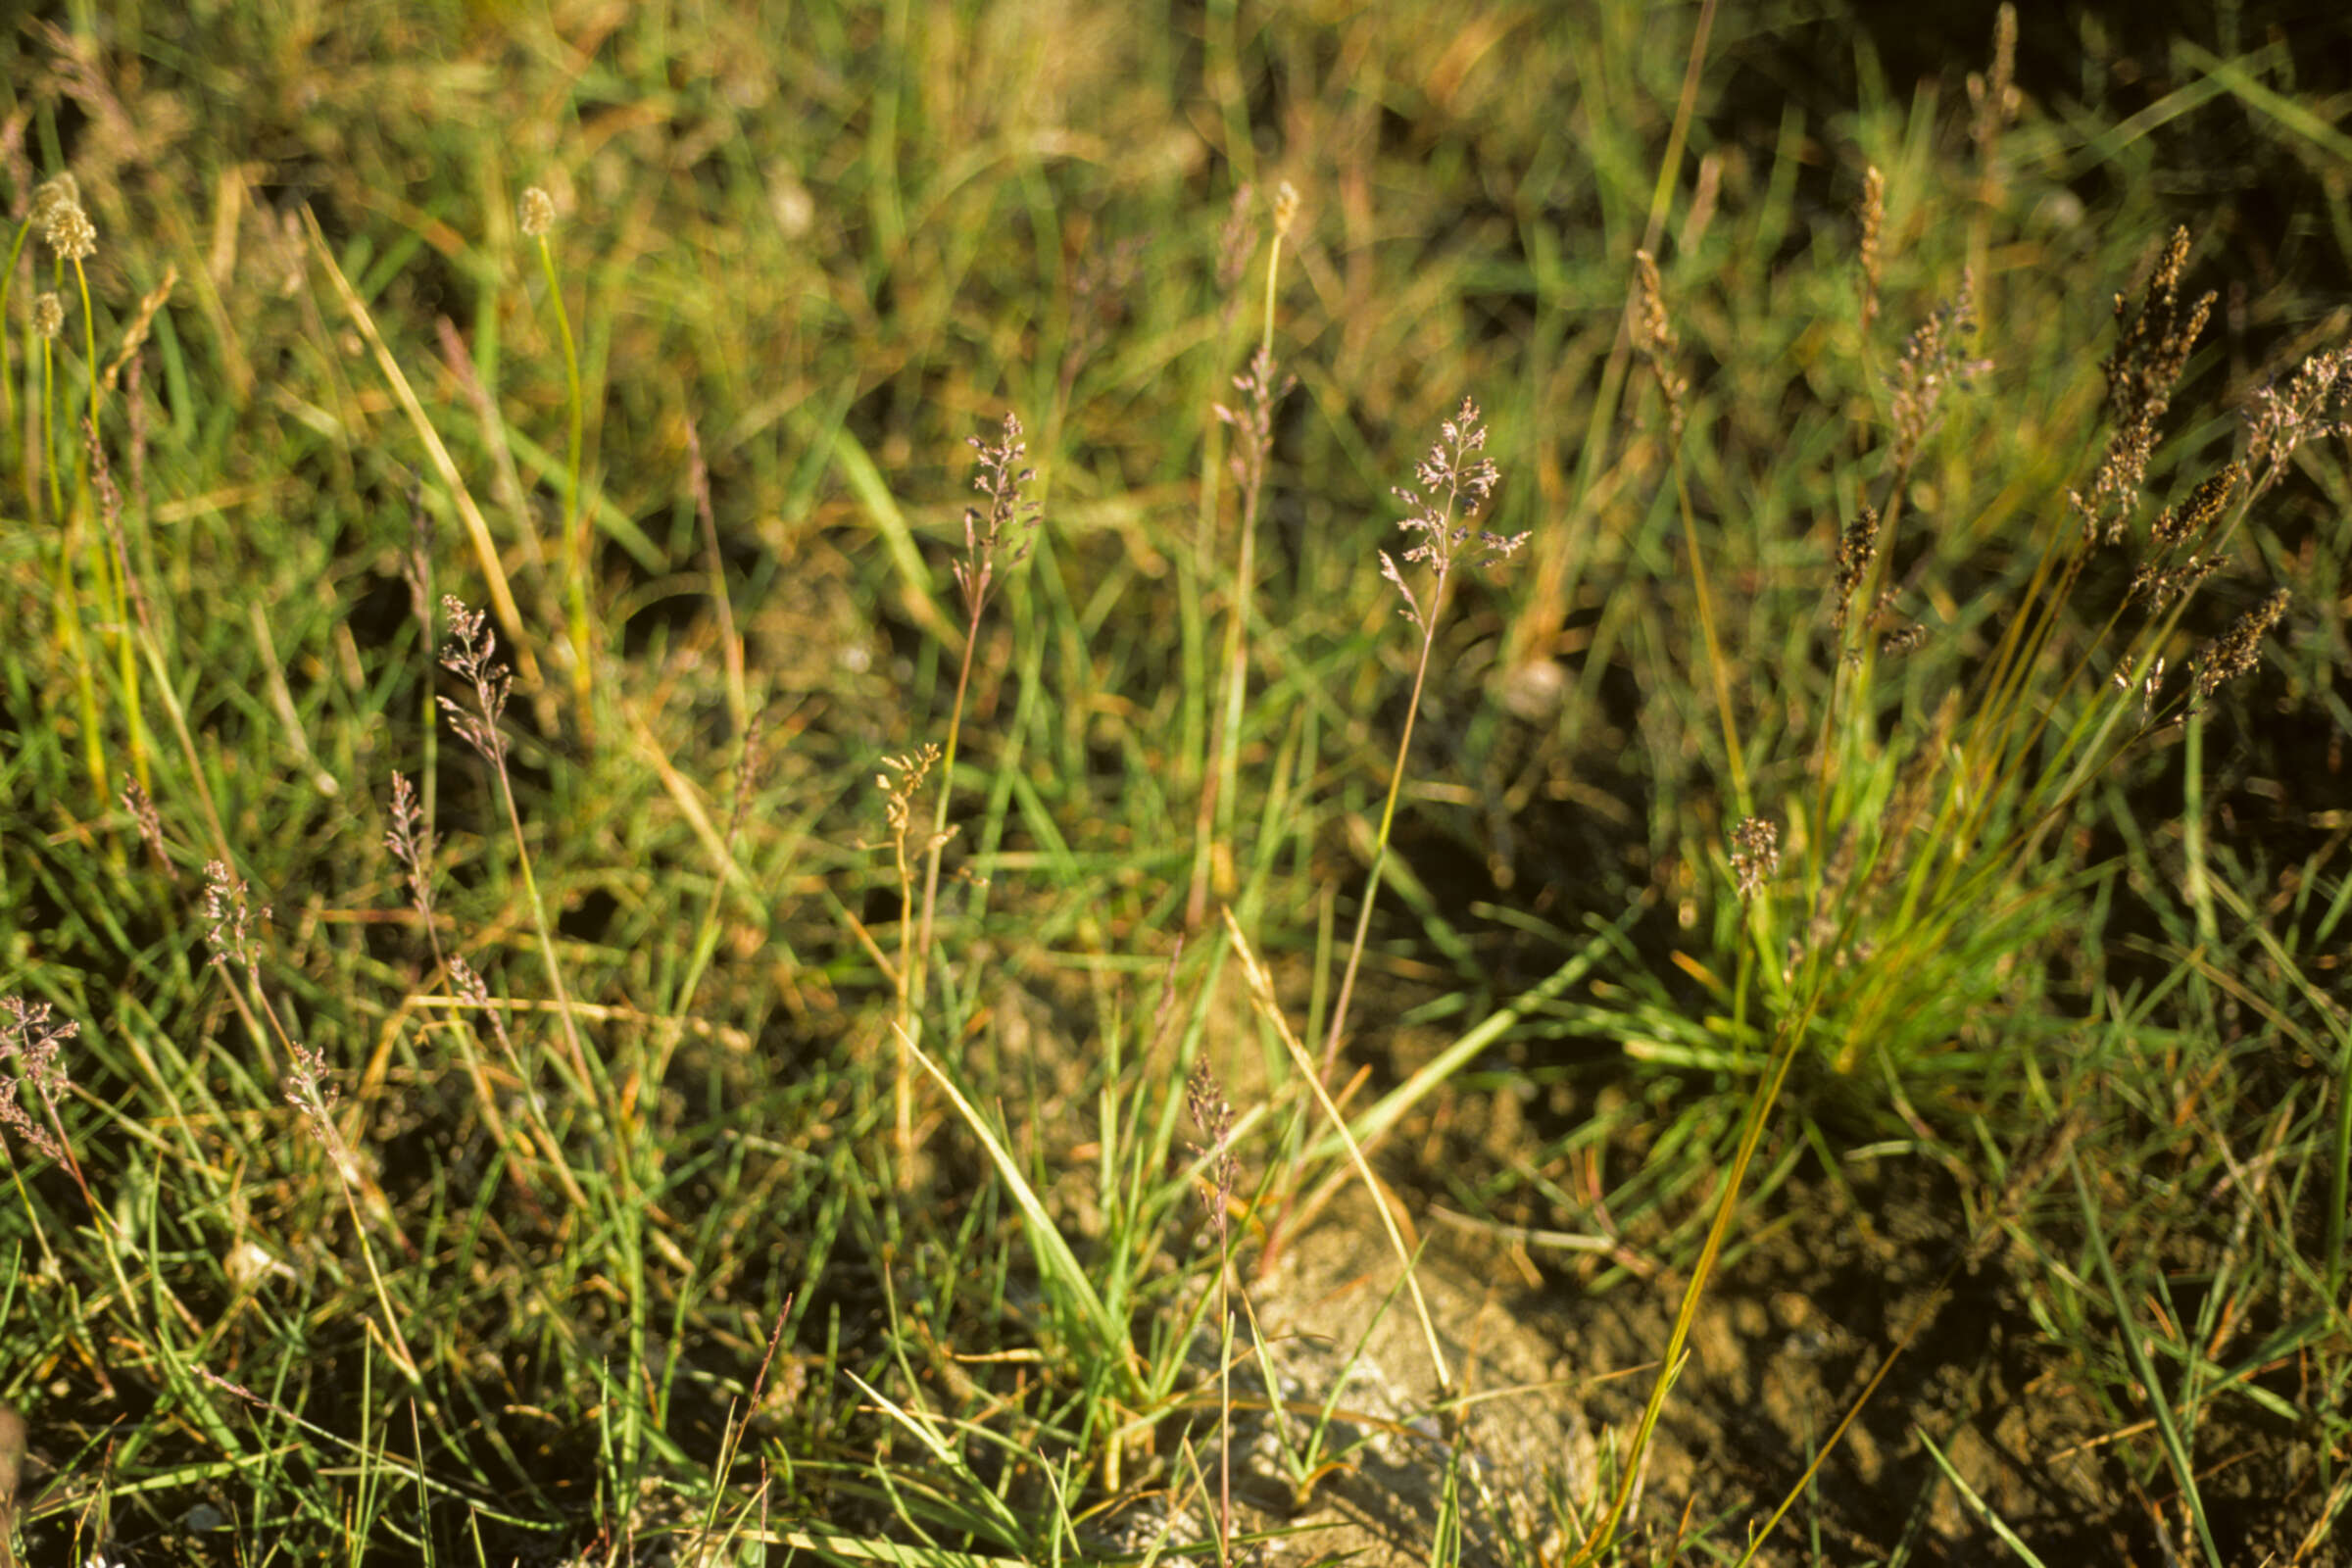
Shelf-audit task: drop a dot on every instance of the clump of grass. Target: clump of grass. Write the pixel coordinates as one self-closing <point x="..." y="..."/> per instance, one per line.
<point x="994" y="1364"/>
<point x="1916" y="859"/>
<point x="233" y="933"/>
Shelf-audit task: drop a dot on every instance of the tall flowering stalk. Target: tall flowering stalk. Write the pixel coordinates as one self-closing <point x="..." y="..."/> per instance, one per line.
<point x="1453" y="485"/>
<point x="1007" y="523"/>
<point x="1251" y="421"/>
<point x="56" y="216"/>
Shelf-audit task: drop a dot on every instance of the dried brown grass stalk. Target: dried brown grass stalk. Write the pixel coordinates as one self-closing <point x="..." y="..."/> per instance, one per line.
<point x="1213" y="1113"/>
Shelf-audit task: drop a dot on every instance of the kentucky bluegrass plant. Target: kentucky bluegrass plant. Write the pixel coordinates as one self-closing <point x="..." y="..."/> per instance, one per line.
<point x="1919" y="860"/>
<point x="1007" y="527"/>
<point x="1915" y="856"/>
<point x="571" y="1170"/>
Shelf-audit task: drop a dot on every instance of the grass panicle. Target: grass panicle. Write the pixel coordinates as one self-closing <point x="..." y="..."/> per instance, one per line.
<point x="996" y="537"/>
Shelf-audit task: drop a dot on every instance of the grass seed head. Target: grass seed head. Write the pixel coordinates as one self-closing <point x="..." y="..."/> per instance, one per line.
<point x="2151" y="348"/>
<point x="2233" y="652"/>
<point x="1286" y="209"/>
<point x="59" y="190"/>
<point x="229" y="917"/>
<point x="410" y="842"/>
<point x="28" y="1044"/>
<point x="1856" y="548"/>
<point x="473" y="653"/>
<point x="1009" y="520"/>
<point x="2278" y="420"/>
<point x="141" y="806"/>
<point x="1755" y="854"/>
<point x="1902" y="639"/>
<point x="2160" y="587"/>
<point x="1252" y="422"/>
<point x="68" y="231"/>
<point x="2185" y="524"/>
<point x="1935" y="360"/>
<point x="1995" y="95"/>
<point x="537" y="212"/>
<point x="2147" y="688"/>
<point x="474" y="991"/>
<point x="1453" y="483"/>
<point x="751" y="774"/>
<point x="48" y="315"/>
<point x="1873" y="220"/>
<point x="310" y="1088"/>
<point x="1654" y="336"/>
<point x="1213" y="1113"/>
<point x="899" y="781"/>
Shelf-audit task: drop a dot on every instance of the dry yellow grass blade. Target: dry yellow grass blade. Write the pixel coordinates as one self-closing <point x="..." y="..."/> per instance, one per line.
<point x="1262" y="993"/>
<point x="485" y="550"/>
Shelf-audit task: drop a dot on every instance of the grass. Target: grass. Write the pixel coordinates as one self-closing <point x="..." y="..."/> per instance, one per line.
<point x="735" y="1105"/>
